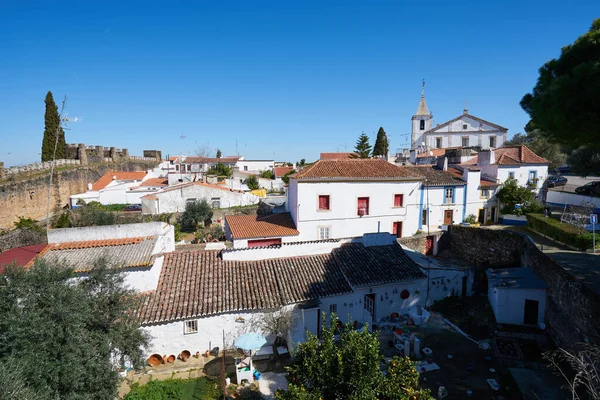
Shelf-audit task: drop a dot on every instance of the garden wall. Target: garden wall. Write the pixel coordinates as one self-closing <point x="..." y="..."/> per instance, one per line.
<point x="572" y="309"/>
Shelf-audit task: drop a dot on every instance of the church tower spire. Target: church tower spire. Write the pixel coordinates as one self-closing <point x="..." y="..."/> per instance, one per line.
<point x="422" y="121"/>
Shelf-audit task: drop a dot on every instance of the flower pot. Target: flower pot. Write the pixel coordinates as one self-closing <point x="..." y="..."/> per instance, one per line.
<point x="184" y="355"/>
<point x="197" y="354"/>
<point x="207" y="353"/>
<point x="155" y="360"/>
<point x="171" y="358"/>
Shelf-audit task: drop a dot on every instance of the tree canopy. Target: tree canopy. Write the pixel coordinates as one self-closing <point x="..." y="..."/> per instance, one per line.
<point x="541" y="145"/>
<point x="51" y="124"/>
<point x="363" y="148"/>
<point x="286" y="178"/>
<point x="512" y="194"/>
<point x="324" y="369"/>
<point x="218" y="153"/>
<point x="267" y="174"/>
<point x="381" y="144"/>
<point x="252" y="182"/>
<point x="220" y="170"/>
<point x="564" y="102"/>
<point x="64" y="338"/>
<point x="196" y="214"/>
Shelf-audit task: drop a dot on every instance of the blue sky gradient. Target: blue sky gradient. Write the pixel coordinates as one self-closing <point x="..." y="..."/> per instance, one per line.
<point x="285" y="79"/>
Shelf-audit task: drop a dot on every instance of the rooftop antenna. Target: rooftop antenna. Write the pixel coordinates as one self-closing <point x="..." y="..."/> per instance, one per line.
<point x="466" y="110"/>
<point x="63" y="123"/>
<point x="237" y="153"/>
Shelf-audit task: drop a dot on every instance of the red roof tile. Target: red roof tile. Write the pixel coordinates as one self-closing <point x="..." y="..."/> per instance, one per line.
<point x="512" y="155"/>
<point x="259" y="226"/>
<point x="357" y="168"/>
<point x="281" y="171"/>
<point x="88" y="244"/>
<point x="119" y="176"/>
<point x="337" y="156"/>
<point x="437" y="177"/>
<point x="188" y="184"/>
<point x="156" y="182"/>
<point x="21" y="256"/>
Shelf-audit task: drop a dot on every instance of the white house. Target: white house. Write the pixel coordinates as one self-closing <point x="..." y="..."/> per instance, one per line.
<point x="480" y="199"/>
<point x="337" y="198"/>
<point x="200" y="294"/>
<point x="463" y="131"/>
<point x="517" y="296"/>
<point x="137" y="249"/>
<point x="174" y="198"/>
<point x="516" y="162"/>
<point x="255" y="166"/>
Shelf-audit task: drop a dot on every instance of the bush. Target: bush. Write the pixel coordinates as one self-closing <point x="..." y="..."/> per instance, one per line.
<point x="267" y="174"/>
<point x="28" y="224"/>
<point x="471" y="219"/>
<point x="562" y="232"/>
<point x="252" y="182"/>
<point x="210" y="234"/>
<point x="197" y="213"/>
<point x="157" y="390"/>
<point x="286" y="177"/>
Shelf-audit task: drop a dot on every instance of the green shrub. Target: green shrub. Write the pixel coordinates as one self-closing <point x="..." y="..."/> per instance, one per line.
<point x="196" y="214"/>
<point x="157" y="390"/>
<point x="562" y="232"/>
<point x="252" y="182"/>
<point x="471" y="219"/>
<point x="267" y="174"/>
<point x="28" y="224"/>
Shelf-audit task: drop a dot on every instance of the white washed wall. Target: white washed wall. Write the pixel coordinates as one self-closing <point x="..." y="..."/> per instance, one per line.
<point x="510" y="304"/>
<point x="255" y="165"/>
<point x="175" y="200"/>
<point x="109" y="232"/>
<point x="144" y="279"/>
<point x="342" y="217"/>
<point x="437" y="205"/>
<point x="558" y="198"/>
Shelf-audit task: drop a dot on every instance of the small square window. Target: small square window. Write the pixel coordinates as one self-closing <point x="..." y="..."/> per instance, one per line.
<point x="465" y="126"/>
<point x="324" y="232"/>
<point x="438" y="143"/>
<point x="485" y="193"/>
<point x="422" y="125"/>
<point x="492" y="141"/>
<point x="245" y="168"/>
<point x="511" y="175"/>
<point x="465" y="141"/>
<point x="449" y="196"/>
<point x="398" y="200"/>
<point x="215" y="202"/>
<point x="190" y="327"/>
<point x="324" y="202"/>
<point x="190" y="200"/>
<point x="363" y="206"/>
<point x="333" y="308"/>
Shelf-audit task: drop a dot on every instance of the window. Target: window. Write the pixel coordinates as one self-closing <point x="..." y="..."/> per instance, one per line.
<point x="333" y="308"/>
<point x="245" y="168"/>
<point x="465" y="126"/>
<point x="215" y="202"/>
<point x="422" y="125"/>
<point x="398" y="200"/>
<point x="438" y="142"/>
<point x="190" y="327"/>
<point x="449" y="195"/>
<point x="324" y="232"/>
<point x="190" y="200"/>
<point x="188" y="167"/>
<point x="532" y="175"/>
<point x="485" y="193"/>
<point x="323" y="202"/>
<point x="177" y="167"/>
<point x="492" y="141"/>
<point x="511" y="175"/>
<point x="465" y="141"/>
<point x="424" y="217"/>
<point x="363" y="206"/>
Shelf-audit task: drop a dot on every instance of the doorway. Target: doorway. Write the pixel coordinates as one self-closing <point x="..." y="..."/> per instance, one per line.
<point x="448" y="214"/>
<point x="481" y="217"/>
<point x="312" y="320"/>
<point x="369" y="308"/>
<point x="397" y="229"/>
<point x="429" y="246"/>
<point x="464" y="286"/>
<point x="493" y="214"/>
<point x="530" y="316"/>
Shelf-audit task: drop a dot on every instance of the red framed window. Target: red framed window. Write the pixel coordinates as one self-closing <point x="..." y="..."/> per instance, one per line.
<point x="363" y="206"/>
<point x="398" y="200"/>
<point x="323" y="202"/>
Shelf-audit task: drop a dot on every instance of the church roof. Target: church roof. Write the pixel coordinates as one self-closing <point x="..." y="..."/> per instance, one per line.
<point x="422" y="110"/>
<point x="483" y="121"/>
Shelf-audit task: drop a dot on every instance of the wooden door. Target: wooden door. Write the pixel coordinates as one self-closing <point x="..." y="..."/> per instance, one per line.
<point x="397" y="229"/>
<point x="448" y="217"/>
<point x="369" y="308"/>
<point x="481" y="217"/>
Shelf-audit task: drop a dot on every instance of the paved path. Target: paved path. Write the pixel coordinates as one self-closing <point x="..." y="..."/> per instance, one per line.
<point x="271" y="381"/>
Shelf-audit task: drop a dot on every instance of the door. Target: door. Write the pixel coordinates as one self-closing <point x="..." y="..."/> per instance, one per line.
<point x="369" y="308"/>
<point x="448" y="217"/>
<point x="493" y="214"/>
<point x="311" y="320"/>
<point x="464" y="286"/>
<point x="429" y="246"/>
<point x="481" y="218"/>
<point x="397" y="229"/>
<point x="530" y="316"/>
<point x="264" y="242"/>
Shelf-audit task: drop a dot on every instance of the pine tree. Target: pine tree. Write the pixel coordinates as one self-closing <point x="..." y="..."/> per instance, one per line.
<point x="381" y="144"/>
<point x="218" y="153"/>
<point x="51" y="122"/>
<point x="363" y="148"/>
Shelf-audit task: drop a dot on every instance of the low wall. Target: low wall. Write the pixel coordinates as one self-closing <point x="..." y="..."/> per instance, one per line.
<point x="559" y="198"/>
<point x="21" y="237"/>
<point x="572" y="309"/>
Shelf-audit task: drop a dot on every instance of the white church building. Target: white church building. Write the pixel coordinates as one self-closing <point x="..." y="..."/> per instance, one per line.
<point x="463" y="131"/>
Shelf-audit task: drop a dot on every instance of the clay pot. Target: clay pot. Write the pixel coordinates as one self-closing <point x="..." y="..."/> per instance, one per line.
<point x="184" y="355"/>
<point x="207" y="353"/>
<point x="164" y="358"/>
<point x="171" y="358"/>
<point x="155" y="360"/>
<point x="197" y="354"/>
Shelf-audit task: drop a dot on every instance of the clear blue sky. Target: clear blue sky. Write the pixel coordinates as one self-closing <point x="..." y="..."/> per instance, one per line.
<point x="286" y="79"/>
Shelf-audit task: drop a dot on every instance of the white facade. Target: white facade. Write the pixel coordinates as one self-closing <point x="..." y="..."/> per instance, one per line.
<point x="342" y="219"/>
<point x="255" y="165"/>
<point x="480" y="199"/>
<point x="442" y="202"/>
<point x="465" y="131"/>
<point x="174" y="199"/>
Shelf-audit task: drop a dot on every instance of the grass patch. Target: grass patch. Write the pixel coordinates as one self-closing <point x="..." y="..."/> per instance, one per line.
<point x="176" y="389"/>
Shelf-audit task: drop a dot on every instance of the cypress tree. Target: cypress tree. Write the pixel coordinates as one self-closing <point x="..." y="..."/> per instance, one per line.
<point x="363" y="148"/>
<point x="51" y="122"/>
<point x="381" y="144"/>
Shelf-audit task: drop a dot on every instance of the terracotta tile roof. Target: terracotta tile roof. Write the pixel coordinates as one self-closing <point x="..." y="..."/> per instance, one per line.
<point x="21" y="256"/>
<point x="512" y="155"/>
<point x="160" y="182"/>
<point x="358" y="168"/>
<point x="483" y="182"/>
<point x="173" y="158"/>
<point x="281" y="171"/>
<point x="199" y="284"/>
<point x="119" y="253"/>
<point x="120" y="176"/>
<point x="258" y="226"/>
<point x="202" y="160"/>
<point x="436" y="177"/>
<point x="337" y="156"/>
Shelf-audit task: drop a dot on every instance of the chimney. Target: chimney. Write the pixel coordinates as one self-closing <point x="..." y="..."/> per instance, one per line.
<point x="89" y="186"/>
<point x="442" y="163"/>
<point x="413" y="156"/>
<point x="486" y="157"/>
<point x="472" y="176"/>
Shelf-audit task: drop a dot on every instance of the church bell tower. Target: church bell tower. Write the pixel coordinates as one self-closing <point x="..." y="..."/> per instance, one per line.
<point x="422" y="121"/>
